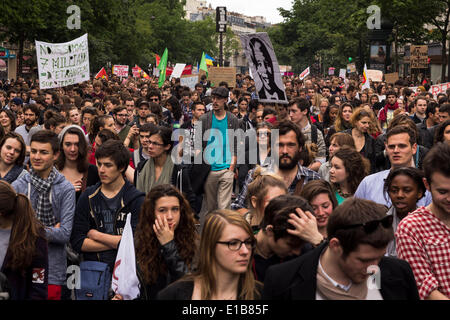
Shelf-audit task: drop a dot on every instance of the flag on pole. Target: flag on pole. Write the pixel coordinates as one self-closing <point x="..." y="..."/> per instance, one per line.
<point x="124" y="278"/>
<point x="158" y="59"/>
<point x="209" y="60"/>
<point x="366" y="82"/>
<point x="142" y="72"/>
<point x="203" y="64"/>
<point x="304" y="74"/>
<point x="162" y="66"/>
<point x="102" y="74"/>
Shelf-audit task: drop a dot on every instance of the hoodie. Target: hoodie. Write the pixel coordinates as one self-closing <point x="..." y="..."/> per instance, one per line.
<point x="87" y="217"/>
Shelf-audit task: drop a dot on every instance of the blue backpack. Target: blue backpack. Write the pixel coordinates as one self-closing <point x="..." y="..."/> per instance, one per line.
<point x="95" y="281"/>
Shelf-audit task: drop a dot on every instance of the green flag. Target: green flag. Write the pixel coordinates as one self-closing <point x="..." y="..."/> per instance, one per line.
<point x="162" y="66"/>
<point x="203" y="65"/>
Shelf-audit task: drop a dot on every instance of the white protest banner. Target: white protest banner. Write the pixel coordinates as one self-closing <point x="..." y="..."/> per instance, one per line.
<point x="375" y="75"/>
<point x="63" y="64"/>
<point x="342" y="73"/>
<point x="124" y="279"/>
<point x="189" y="81"/>
<point x="264" y="65"/>
<point x="177" y="70"/>
<point x="304" y="74"/>
<point x="120" y="70"/>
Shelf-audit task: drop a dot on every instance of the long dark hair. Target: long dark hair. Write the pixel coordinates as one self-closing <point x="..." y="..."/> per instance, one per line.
<point x="82" y="159"/>
<point x="148" y="254"/>
<point x="176" y="107"/>
<point x="26" y="228"/>
<point x="11" y="117"/>
<point x="355" y="166"/>
<point x="439" y="132"/>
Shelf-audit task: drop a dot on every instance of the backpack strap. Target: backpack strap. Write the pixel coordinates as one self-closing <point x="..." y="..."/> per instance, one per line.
<point x="313" y="134"/>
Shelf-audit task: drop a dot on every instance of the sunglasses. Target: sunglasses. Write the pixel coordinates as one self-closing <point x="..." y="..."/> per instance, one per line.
<point x="371" y="226"/>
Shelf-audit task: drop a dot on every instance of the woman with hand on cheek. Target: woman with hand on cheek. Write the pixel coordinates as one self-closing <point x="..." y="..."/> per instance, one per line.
<point x="165" y="240"/>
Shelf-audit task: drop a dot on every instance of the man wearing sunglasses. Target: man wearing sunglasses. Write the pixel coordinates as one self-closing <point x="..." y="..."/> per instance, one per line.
<point x="350" y="266"/>
<point x="423" y="237"/>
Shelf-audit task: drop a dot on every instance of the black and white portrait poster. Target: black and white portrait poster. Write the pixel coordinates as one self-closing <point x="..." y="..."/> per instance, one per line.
<point x="264" y="67"/>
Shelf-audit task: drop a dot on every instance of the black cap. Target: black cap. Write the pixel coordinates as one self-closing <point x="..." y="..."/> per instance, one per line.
<point x="144" y="102"/>
<point x="221" y="92"/>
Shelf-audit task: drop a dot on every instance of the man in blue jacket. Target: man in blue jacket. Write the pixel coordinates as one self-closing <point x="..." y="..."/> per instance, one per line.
<point x="102" y="209"/>
<point x="53" y="199"/>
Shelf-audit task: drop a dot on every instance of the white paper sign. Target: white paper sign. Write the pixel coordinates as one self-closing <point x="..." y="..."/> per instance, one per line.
<point x="177" y="70"/>
<point x="342" y="73"/>
<point x="121" y="70"/>
<point x="63" y="64"/>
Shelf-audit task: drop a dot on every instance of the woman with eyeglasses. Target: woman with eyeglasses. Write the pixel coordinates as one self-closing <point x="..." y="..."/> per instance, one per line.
<point x="224" y="265"/>
<point x="405" y="188"/>
<point x="165" y="240"/>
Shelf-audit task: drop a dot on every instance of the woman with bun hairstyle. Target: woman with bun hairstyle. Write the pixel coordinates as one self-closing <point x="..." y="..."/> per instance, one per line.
<point x="54" y="121"/>
<point x="23" y="247"/>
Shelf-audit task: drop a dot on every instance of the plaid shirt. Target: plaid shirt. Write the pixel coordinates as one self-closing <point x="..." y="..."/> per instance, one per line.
<point x="424" y="241"/>
<point x="309" y="175"/>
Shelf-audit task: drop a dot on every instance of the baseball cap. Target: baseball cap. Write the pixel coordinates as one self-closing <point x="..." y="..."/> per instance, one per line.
<point x="17" y="101"/>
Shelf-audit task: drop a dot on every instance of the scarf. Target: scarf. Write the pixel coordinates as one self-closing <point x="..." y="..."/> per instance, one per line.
<point x="383" y="112"/>
<point x="146" y="179"/>
<point x="43" y="187"/>
<point x="330" y="292"/>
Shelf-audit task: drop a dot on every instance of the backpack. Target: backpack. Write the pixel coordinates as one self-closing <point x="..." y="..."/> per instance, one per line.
<point x="95" y="281"/>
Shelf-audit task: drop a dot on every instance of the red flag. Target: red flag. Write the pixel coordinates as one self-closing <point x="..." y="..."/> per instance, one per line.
<point x="158" y="59"/>
<point x="102" y="74"/>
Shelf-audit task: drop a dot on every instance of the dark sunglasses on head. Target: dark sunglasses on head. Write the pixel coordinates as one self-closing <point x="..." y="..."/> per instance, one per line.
<point x="371" y="226"/>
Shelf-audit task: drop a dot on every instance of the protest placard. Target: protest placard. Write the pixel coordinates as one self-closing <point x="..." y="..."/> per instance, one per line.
<point x="62" y="64"/>
<point x="177" y="70"/>
<point x="375" y="75"/>
<point x="120" y="70"/>
<point x="189" y="81"/>
<point x="219" y="74"/>
<point x="391" y="77"/>
<point x="342" y="73"/>
<point x="331" y="71"/>
<point x="419" y="57"/>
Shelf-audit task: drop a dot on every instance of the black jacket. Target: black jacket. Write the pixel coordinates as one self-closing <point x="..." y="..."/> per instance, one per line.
<point x="87" y="218"/>
<point x="32" y="285"/>
<point x="297" y="279"/>
<point x="368" y="151"/>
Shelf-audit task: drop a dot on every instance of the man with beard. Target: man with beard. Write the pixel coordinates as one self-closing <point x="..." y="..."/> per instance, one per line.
<point x="290" y="145"/>
<point x="31" y="113"/>
<point x="339" y="269"/>
<point x="387" y="113"/>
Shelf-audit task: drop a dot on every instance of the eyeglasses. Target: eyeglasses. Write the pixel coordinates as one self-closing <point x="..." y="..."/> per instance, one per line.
<point x="155" y="144"/>
<point x="155" y="99"/>
<point x="371" y="226"/>
<point x="263" y="134"/>
<point x="122" y="115"/>
<point x="235" y="245"/>
<point x="144" y="137"/>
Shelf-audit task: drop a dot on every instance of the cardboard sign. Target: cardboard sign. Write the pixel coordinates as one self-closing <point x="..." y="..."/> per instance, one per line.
<point x="63" y="64"/>
<point x="351" y="67"/>
<point x="419" y="57"/>
<point x="218" y="74"/>
<point x="120" y="71"/>
<point x="375" y="75"/>
<point x="391" y="77"/>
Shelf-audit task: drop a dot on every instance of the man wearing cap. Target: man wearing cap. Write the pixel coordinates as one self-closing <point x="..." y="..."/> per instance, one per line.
<point x="142" y="114"/>
<point x="219" y="151"/>
<point x="14" y="104"/>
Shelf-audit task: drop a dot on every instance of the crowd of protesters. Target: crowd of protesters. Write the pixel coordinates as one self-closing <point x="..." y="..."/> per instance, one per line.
<point x="335" y="182"/>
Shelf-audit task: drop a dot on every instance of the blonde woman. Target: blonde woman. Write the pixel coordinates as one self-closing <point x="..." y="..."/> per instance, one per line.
<point x="224" y="269"/>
